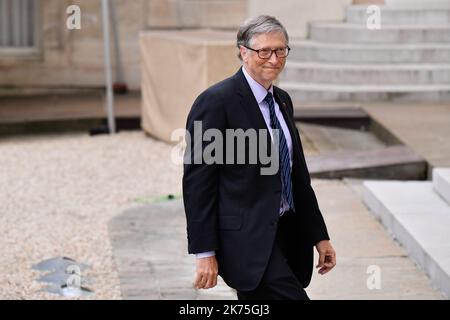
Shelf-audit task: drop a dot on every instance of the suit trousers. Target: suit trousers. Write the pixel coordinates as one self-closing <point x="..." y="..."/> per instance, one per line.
<point x="278" y="281"/>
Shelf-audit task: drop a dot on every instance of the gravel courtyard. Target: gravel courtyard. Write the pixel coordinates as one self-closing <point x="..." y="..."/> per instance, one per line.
<point x="58" y="194"/>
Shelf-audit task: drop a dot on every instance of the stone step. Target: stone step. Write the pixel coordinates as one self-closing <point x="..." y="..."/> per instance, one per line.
<point x="419" y="219"/>
<point x="390" y="15"/>
<point x="441" y="183"/>
<point x="398" y="162"/>
<point x="423" y="4"/>
<point x="357" y="33"/>
<point x="302" y="92"/>
<point x="322" y="114"/>
<point x="308" y="50"/>
<point x="333" y="73"/>
<point x="346" y="118"/>
<point x="39" y="112"/>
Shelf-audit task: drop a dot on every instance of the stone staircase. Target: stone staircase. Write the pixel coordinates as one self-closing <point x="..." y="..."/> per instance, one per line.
<point x="408" y="59"/>
<point x="417" y="214"/>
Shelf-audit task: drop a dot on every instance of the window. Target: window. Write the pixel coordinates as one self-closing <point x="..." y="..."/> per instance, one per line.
<point x="18" y="25"/>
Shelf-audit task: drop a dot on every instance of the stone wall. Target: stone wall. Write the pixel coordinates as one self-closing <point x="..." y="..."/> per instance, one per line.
<point x="75" y="57"/>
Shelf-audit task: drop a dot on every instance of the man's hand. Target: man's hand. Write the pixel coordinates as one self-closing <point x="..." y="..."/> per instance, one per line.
<point x="327" y="256"/>
<point x="206" y="275"/>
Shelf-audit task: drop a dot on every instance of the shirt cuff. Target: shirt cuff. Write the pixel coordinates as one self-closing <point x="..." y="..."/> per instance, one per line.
<point x="205" y="254"/>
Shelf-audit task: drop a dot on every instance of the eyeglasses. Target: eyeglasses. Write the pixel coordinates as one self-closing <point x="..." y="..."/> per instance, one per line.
<point x="267" y="53"/>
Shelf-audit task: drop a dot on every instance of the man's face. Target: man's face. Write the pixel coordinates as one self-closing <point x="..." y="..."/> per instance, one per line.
<point x="264" y="71"/>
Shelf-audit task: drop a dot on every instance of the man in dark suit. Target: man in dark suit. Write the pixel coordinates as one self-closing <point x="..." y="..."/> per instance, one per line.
<point x="257" y="231"/>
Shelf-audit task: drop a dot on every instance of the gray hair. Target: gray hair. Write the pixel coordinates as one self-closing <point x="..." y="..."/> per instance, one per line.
<point x="258" y="25"/>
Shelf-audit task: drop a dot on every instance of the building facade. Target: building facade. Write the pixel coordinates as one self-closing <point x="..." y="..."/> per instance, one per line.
<point x="39" y="51"/>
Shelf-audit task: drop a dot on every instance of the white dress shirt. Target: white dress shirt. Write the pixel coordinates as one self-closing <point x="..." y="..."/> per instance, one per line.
<point x="259" y="92"/>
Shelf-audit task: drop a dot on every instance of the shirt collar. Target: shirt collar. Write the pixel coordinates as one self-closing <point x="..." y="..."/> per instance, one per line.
<point x="258" y="90"/>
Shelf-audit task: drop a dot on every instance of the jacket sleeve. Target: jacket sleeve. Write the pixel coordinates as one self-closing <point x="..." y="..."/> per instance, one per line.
<point x="316" y="228"/>
<point x="201" y="180"/>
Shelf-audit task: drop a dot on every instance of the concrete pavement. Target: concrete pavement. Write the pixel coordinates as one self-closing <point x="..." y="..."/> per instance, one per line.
<point x="149" y="246"/>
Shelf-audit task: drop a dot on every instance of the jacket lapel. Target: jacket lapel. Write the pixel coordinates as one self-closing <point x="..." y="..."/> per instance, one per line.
<point x="251" y="108"/>
<point x="289" y="122"/>
<point x="248" y="102"/>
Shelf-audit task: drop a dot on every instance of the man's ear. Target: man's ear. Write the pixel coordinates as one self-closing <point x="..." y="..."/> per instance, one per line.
<point x="243" y="50"/>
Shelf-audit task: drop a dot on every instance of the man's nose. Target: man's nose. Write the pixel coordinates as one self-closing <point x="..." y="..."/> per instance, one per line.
<point x="273" y="57"/>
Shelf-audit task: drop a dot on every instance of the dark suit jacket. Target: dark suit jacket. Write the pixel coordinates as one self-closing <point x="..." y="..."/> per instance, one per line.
<point x="232" y="208"/>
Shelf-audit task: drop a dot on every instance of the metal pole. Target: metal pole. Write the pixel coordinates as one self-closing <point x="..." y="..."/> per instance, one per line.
<point x="107" y="56"/>
<point x="119" y="70"/>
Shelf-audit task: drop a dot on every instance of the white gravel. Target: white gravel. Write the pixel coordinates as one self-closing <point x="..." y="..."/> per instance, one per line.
<point x="57" y="195"/>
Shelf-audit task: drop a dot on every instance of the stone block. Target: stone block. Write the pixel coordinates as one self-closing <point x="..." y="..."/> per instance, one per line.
<point x="176" y="67"/>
